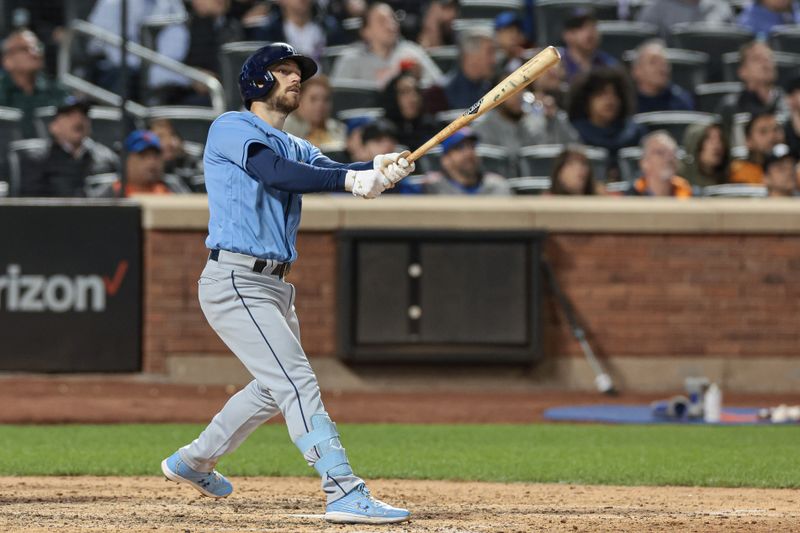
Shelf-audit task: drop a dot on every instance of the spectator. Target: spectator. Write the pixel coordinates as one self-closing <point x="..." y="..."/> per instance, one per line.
<point x="293" y="22"/>
<point x="758" y="73"/>
<point x="707" y="160"/>
<point x="652" y="74"/>
<point x="403" y="102"/>
<point x="581" y="52"/>
<point x="762" y="133"/>
<point x="23" y="84"/>
<point x="666" y="13"/>
<point x="572" y="174"/>
<point x="378" y="57"/>
<point x="473" y="77"/>
<point x="515" y="123"/>
<point x="600" y="109"/>
<point x="60" y="169"/>
<point x="779" y="172"/>
<point x="195" y="43"/>
<point x="761" y="15"/>
<point x="379" y="137"/>
<point x="354" y="144"/>
<point x="186" y="167"/>
<point x="792" y="128"/>
<point x="549" y="89"/>
<point x="658" y="164"/>
<point x="106" y="15"/>
<point x="462" y="172"/>
<point x="437" y="24"/>
<point x="312" y="120"/>
<point x="510" y="40"/>
<point x="144" y="166"/>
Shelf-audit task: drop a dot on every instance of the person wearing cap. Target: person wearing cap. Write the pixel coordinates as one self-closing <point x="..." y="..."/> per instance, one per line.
<point x="666" y="13"/>
<point x="185" y="166"/>
<point x="462" y="172"/>
<point x="144" y="166"/>
<point x="510" y="40"/>
<point x="581" y="37"/>
<point x="59" y="168"/>
<point x="23" y="83"/>
<point x="378" y="57"/>
<point x="780" y="172"/>
<point x="659" y="164"/>
<point x="792" y="127"/>
<point x="762" y="134"/>
<point x="354" y="144"/>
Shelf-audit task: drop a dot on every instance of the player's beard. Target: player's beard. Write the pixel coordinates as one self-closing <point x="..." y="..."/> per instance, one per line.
<point x="285" y="102"/>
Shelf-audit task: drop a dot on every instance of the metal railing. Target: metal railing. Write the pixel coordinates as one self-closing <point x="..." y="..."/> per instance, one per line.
<point x="81" y="27"/>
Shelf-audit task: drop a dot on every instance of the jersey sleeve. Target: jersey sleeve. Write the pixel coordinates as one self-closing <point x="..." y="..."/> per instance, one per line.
<point x="231" y="139"/>
<point x="291" y="176"/>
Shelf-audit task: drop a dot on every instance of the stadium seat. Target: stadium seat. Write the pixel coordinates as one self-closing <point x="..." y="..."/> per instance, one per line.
<point x="107" y="126"/>
<point x="42" y="116"/>
<point x="708" y="96"/>
<point x="190" y="122"/>
<point x="628" y="160"/>
<point x="351" y="30"/>
<point x="329" y="56"/>
<point x="704" y="37"/>
<point x="785" y="38"/>
<point x="618" y="187"/>
<point x="487" y="8"/>
<point x="99" y="185"/>
<point x="231" y="58"/>
<point x="462" y="25"/>
<point x="787" y="63"/>
<point x="689" y="68"/>
<point x="530" y="185"/>
<point x="675" y="122"/>
<point x="621" y="35"/>
<point x="356" y="112"/>
<point x="735" y="190"/>
<point x="352" y="94"/>
<point x="20" y="153"/>
<point x="445" y="57"/>
<point x="496" y="159"/>
<point x="537" y="160"/>
<point x="10" y="131"/>
<point x="550" y="16"/>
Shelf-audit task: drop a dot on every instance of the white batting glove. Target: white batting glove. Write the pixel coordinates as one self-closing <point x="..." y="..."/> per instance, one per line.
<point x="364" y="183"/>
<point x="393" y="167"/>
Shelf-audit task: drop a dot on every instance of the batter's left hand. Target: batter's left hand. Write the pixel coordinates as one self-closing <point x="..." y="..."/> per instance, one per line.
<point x="393" y="167"/>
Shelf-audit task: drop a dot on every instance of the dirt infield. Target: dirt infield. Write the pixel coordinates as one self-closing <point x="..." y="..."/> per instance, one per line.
<point x="294" y="505"/>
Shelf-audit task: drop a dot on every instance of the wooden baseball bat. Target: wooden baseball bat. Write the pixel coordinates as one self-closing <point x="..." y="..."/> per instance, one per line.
<point x="514" y="83"/>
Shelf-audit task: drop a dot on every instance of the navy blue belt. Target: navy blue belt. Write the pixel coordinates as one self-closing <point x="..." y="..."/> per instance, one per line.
<point x="280" y="270"/>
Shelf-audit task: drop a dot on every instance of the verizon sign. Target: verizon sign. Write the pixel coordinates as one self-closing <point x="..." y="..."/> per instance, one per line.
<point x="70" y="292"/>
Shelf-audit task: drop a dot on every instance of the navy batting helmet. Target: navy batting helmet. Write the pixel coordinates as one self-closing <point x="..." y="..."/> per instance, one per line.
<point x="255" y="80"/>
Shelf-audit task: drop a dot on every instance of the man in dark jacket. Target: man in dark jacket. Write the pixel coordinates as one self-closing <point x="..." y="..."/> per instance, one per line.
<point x="61" y="166"/>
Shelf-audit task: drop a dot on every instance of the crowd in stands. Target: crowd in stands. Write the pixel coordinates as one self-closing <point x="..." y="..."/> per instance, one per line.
<point x="597" y="123"/>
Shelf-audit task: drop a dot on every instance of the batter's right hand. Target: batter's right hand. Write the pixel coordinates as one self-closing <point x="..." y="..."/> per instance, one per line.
<point x="364" y="183"/>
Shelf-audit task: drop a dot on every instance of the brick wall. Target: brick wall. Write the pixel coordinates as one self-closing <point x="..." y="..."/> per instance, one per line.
<point x="639" y="295"/>
<point x="173" y="321"/>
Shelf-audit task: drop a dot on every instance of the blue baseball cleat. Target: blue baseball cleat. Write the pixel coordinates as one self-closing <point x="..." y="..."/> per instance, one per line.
<point x="359" y="507"/>
<point x="212" y="484"/>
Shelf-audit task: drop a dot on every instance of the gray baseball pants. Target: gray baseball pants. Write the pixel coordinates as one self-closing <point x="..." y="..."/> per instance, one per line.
<point x="253" y="313"/>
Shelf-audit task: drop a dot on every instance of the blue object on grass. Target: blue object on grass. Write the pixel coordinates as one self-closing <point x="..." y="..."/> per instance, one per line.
<point x="640" y="414"/>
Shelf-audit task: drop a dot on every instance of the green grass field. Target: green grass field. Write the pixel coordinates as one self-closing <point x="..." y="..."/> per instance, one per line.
<point x="595" y="454"/>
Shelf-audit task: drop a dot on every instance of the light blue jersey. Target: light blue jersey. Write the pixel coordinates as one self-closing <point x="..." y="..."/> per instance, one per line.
<point x="248" y="216"/>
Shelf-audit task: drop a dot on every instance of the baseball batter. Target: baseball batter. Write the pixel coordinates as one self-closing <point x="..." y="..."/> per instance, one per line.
<point x="255" y="177"/>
